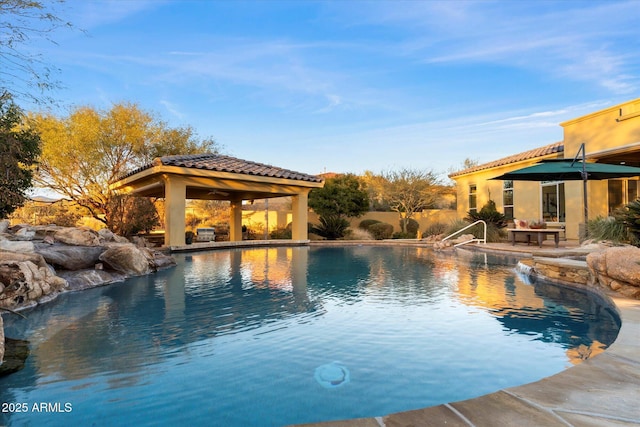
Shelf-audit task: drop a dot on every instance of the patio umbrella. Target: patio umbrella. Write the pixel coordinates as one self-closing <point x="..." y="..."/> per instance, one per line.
<point x="571" y="170"/>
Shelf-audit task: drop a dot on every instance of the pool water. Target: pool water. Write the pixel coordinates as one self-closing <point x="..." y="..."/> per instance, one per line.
<point x="270" y="337"/>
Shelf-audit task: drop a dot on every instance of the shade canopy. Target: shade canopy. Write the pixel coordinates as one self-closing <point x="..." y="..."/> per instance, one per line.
<point x="576" y="169"/>
<point x="569" y="170"/>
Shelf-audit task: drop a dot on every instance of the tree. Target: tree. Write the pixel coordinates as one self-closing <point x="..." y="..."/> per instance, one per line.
<point x="84" y="152"/>
<point x="409" y="191"/>
<point x="341" y="197"/>
<point x="25" y="74"/>
<point x="375" y="185"/>
<point x="130" y="215"/>
<point x="19" y="150"/>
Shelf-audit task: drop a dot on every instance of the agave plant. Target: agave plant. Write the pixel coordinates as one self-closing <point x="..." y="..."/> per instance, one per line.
<point x="331" y="227"/>
<point x="630" y="217"/>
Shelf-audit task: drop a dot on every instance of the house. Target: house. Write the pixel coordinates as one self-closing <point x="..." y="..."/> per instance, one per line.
<point x="611" y="135"/>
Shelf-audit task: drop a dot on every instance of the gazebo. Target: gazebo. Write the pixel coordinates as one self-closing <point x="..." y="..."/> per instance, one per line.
<point x="217" y="177"/>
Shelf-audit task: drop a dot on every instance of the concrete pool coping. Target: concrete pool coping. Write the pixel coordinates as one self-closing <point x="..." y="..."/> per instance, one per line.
<point x="601" y="391"/>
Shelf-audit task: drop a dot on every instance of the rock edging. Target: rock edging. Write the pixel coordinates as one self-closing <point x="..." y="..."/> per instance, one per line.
<point x="608" y="268"/>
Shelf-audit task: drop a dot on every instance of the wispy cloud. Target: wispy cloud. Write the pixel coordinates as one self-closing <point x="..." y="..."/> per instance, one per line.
<point x="172" y="109"/>
<point x="580" y="41"/>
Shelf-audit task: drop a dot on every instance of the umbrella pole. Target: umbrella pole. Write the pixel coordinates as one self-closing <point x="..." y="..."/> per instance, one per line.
<point x="585" y="177"/>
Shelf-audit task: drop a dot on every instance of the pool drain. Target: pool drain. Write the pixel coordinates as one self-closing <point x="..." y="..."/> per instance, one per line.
<point x="332" y="375"/>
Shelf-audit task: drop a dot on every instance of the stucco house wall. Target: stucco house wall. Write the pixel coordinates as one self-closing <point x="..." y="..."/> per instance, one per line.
<point x="605" y="133"/>
<point x="611" y="135"/>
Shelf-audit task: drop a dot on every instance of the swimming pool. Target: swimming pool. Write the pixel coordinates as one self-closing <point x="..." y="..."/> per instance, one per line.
<point x="269" y="337"/>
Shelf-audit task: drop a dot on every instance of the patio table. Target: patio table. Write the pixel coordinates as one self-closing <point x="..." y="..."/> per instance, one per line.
<point x="540" y="233"/>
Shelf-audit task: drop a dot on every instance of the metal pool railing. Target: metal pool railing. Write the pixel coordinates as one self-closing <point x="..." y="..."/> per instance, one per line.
<point x="483" y="240"/>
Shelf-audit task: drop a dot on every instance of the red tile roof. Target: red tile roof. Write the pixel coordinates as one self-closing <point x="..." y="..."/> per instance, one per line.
<point x="557" y="147"/>
<point x="220" y="163"/>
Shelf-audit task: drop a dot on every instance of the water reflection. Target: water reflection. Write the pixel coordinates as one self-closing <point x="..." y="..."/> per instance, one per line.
<point x="582" y="323"/>
<point x="128" y="332"/>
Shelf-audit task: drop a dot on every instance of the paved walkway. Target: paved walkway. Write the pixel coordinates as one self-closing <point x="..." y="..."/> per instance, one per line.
<point x="602" y="391"/>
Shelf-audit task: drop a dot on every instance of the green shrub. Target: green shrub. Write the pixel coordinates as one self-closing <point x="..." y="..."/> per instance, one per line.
<point x="366" y="223"/>
<point x="401" y="235"/>
<point x="381" y="231"/>
<point x="610" y="229"/>
<point x="281" y="233"/>
<point x="412" y="227"/>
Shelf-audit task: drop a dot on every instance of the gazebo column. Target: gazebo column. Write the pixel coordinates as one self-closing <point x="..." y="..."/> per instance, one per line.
<point x="299" y="216"/>
<point x="175" y="193"/>
<point x="235" y="227"/>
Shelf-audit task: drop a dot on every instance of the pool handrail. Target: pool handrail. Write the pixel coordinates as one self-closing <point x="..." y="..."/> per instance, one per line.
<point x="483" y="240"/>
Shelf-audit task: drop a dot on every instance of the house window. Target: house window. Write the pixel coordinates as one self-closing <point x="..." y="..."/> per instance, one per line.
<point x="622" y="192"/>
<point x="553" y="202"/>
<point x="507" y="198"/>
<point x="472" y="198"/>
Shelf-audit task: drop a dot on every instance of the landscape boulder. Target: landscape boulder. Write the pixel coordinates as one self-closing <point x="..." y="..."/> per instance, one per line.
<point x="87" y="279"/>
<point x="70" y="257"/>
<point x="616" y="268"/>
<point x="16" y="246"/>
<point x="25" y="283"/>
<point x="127" y="259"/>
<point x="77" y="236"/>
<point x="24" y="233"/>
<point x="158" y="260"/>
<point x="1" y="340"/>
<point x="109" y="236"/>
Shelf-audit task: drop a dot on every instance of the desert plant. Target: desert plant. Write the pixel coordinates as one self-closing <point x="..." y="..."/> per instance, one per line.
<point x="381" y="231"/>
<point x="459" y="224"/>
<point x="65" y="219"/>
<point x="331" y="227"/>
<point x="434" y="229"/>
<point x="358" y="234"/>
<point x="488" y="214"/>
<point x="629" y="216"/>
<point x="281" y="233"/>
<point x="610" y="229"/>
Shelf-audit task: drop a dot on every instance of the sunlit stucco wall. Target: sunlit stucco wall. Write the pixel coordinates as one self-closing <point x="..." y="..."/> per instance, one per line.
<point x="526" y="195"/>
<point x="280" y="219"/>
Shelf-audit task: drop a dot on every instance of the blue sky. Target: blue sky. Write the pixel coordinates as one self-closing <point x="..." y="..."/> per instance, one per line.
<point x="349" y="86"/>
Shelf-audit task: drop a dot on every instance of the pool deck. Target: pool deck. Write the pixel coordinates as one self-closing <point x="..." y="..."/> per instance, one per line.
<point x="601" y="391"/>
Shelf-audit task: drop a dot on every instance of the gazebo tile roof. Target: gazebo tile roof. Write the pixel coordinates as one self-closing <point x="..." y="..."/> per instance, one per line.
<point x="556" y="147"/>
<point x="220" y="163"/>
